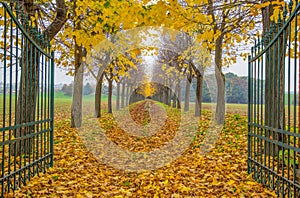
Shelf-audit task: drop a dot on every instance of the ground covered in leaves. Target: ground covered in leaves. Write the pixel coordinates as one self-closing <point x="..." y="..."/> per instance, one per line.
<point x="78" y="172"/>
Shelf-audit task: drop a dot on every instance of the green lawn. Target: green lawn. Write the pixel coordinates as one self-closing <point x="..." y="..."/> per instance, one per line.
<point x="60" y="96"/>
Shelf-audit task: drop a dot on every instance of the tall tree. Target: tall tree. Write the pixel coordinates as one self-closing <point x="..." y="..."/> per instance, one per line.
<point x="79" y="53"/>
<point x="230" y="19"/>
<point x="26" y="111"/>
<point x="274" y="96"/>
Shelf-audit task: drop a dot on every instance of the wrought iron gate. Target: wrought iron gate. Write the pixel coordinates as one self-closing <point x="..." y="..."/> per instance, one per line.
<point x="273" y="109"/>
<point x="26" y="99"/>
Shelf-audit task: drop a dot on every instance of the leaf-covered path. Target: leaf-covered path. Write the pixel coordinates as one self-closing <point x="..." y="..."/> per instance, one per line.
<point x="220" y="173"/>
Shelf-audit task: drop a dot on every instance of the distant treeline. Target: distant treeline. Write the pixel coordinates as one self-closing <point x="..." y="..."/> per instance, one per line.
<point x="236" y="89"/>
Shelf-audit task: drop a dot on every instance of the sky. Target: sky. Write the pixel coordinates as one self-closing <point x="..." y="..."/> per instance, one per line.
<point x="240" y="68"/>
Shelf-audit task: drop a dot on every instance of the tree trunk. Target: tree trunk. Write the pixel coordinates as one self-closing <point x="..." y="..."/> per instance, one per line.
<point x="220" y="78"/>
<point x="274" y="95"/>
<point x="266" y="14"/>
<point x="118" y="97"/>
<point x="198" y="107"/>
<point x="161" y="94"/>
<point x="174" y="99"/>
<point x="130" y="92"/>
<point x="127" y="95"/>
<point x="76" y="110"/>
<point x="98" y="94"/>
<point x="174" y="95"/>
<point x="187" y="95"/>
<point x="27" y="98"/>
<point x="179" y="95"/>
<point x="123" y="94"/>
<point x="165" y="95"/>
<point x="30" y="68"/>
<point x="109" y="110"/>
<point x="169" y="96"/>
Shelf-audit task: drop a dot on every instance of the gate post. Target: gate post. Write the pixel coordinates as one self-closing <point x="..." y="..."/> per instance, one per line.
<point x="273" y="120"/>
<point x="26" y="108"/>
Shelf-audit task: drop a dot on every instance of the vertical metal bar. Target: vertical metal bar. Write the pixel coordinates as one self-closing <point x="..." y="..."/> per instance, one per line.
<point x="270" y="133"/>
<point x="295" y="105"/>
<point x="297" y="32"/>
<point x="4" y="104"/>
<point x="297" y="157"/>
<point x="42" y="111"/>
<point x="259" y="110"/>
<point x="49" y="97"/>
<point x="282" y="55"/>
<point x="35" y="125"/>
<point x="20" y="105"/>
<point x="254" y="113"/>
<point x="38" y="154"/>
<point x="31" y="108"/>
<point x="262" y="109"/>
<point x="10" y="99"/>
<point x="16" y="100"/>
<point x="279" y="135"/>
<point x="273" y="70"/>
<point x="45" y="111"/>
<point x="249" y="115"/>
<point x="26" y="101"/>
<point x="52" y="110"/>
<point x="296" y="189"/>
<point x="289" y="95"/>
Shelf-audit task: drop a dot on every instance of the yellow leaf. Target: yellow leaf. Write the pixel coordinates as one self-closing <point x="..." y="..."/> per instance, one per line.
<point x="231" y="182"/>
<point x="215" y="182"/>
<point x="88" y="194"/>
<point x="251" y="183"/>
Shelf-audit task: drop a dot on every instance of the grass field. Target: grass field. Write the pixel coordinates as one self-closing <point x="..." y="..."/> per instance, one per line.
<point x="62" y="96"/>
<point x="61" y="99"/>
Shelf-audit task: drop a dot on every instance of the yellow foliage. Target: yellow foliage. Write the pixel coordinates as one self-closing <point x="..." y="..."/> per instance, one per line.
<point x="147" y="89"/>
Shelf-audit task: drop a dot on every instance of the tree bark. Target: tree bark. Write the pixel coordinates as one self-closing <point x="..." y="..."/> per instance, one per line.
<point x="29" y="8"/>
<point x="198" y="107"/>
<point x="169" y="96"/>
<point x="118" y="97"/>
<point x="174" y="104"/>
<point x="98" y="94"/>
<point x="27" y="98"/>
<point x="165" y="95"/>
<point x="59" y="21"/>
<point x="274" y="95"/>
<point x="76" y="109"/>
<point x="123" y="94"/>
<point x="109" y="107"/>
<point x="179" y="95"/>
<point x="187" y="95"/>
<point x="130" y="92"/>
<point x="220" y="78"/>
<point x="174" y="99"/>
<point x="127" y="95"/>
<point x="30" y="68"/>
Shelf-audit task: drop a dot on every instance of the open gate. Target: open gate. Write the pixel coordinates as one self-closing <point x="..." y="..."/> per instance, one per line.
<point x="273" y="109"/>
<point x="26" y="99"/>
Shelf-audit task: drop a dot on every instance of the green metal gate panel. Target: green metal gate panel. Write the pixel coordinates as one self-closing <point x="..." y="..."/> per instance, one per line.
<point x="273" y="109"/>
<point x="26" y="100"/>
